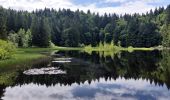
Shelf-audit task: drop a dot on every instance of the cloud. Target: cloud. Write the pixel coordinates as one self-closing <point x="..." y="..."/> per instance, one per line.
<point x="125" y="6"/>
<point x="129" y="7"/>
<point x="145" y="1"/>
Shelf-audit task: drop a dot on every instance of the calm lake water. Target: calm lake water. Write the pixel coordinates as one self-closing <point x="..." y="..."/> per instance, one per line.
<point x="74" y="75"/>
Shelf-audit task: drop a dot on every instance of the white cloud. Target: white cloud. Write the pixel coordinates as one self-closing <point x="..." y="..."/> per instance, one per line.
<point x="145" y="1"/>
<point x="129" y="7"/>
<point x="134" y="6"/>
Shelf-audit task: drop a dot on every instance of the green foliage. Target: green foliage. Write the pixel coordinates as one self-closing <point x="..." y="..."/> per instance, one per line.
<point x="88" y="38"/>
<point x="167" y="14"/>
<point x="166" y="35"/>
<point x="3" y="32"/>
<point x="21" y="34"/>
<point x="109" y="28"/>
<point x="165" y="29"/>
<point x="6" y="49"/>
<point x="14" y="38"/>
<point x="41" y="32"/>
<point x="67" y="28"/>
<point x="108" y="37"/>
<point x="45" y="33"/>
<point x="71" y="37"/>
<point x="28" y="38"/>
<point x="4" y="54"/>
<point x="22" y="38"/>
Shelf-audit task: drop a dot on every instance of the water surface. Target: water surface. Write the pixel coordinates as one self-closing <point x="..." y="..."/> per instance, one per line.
<point x="140" y="75"/>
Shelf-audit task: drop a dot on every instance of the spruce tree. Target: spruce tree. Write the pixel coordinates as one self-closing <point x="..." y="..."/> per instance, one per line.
<point x="41" y="32"/>
<point x="3" y="32"/>
<point x="45" y="33"/>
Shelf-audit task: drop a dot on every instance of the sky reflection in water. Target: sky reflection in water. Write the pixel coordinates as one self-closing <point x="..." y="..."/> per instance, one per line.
<point x="102" y="90"/>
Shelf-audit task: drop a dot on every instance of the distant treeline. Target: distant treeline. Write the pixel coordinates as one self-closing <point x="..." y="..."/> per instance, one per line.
<point x="64" y="27"/>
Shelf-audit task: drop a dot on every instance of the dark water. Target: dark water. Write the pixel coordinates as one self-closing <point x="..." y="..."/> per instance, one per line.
<point x="98" y="76"/>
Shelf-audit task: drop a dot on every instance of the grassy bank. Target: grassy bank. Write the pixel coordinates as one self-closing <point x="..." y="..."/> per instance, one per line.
<point x="26" y="55"/>
<point x="23" y="56"/>
<point x="21" y="59"/>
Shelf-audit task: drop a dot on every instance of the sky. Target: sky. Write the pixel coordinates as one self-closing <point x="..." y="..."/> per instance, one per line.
<point x="100" y="6"/>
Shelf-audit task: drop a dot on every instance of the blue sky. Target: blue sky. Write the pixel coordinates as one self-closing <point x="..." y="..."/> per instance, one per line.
<point x="101" y="6"/>
<point x="99" y="3"/>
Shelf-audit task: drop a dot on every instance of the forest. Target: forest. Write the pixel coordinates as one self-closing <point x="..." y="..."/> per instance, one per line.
<point x="66" y="28"/>
<point x="64" y="54"/>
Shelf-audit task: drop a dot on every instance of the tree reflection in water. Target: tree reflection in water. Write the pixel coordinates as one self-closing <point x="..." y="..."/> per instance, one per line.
<point x="135" y="67"/>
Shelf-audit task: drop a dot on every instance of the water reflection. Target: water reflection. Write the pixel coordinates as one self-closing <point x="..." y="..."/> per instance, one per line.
<point x="137" y="75"/>
<point x="103" y="90"/>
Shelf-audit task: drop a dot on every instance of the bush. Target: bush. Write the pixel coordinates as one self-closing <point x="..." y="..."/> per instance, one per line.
<point x="6" y="49"/>
<point x="3" y="54"/>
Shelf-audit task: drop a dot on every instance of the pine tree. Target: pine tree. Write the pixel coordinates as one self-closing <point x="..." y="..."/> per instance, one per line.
<point x="35" y="31"/>
<point x="167" y="12"/>
<point x="45" y="33"/>
<point x="3" y="32"/>
<point x="41" y="32"/>
<point x="166" y="28"/>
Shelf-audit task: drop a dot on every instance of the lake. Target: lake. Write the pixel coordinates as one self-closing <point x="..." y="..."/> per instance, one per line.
<point x="74" y="75"/>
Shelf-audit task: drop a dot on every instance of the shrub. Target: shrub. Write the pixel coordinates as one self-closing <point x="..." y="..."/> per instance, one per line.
<point x="3" y="54"/>
<point x="6" y="49"/>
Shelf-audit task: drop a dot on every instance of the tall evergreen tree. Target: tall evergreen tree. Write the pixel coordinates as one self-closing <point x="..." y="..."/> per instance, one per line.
<point x="41" y="32"/>
<point x="35" y="31"/>
<point x="71" y="37"/>
<point x="45" y="33"/>
<point x="166" y="28"/>
<point x="3" y="32"/>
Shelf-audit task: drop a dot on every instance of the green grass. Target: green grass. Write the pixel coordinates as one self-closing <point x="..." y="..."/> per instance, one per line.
<point x="25" y="55"/>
